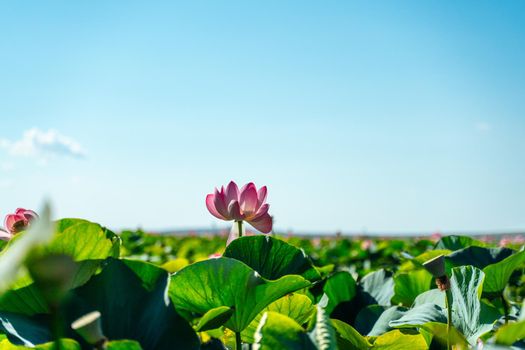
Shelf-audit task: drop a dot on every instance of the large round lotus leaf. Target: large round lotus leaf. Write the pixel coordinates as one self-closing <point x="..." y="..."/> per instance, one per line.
<point x="323" y="334"/>
<point x="510" y="333"/>
<point x="400" y="340"/>
<point x="296" y="306"/>
<point x="420" y="315"/>
<point x="367" y="318"/>
<point x="340" y="287"/>
<point x="416" y="263"/>
<point x="279" y="332"/>
<point x="85" y="242"/>
<point x="131" y="296"/>
<point x="433" y="296"/>
<point x="377" y="287"/>
<point x="382" y="323"/>
<point x="25" y="330"/>
<point x="469" y="315"/>
<point x="209" y="284"/>
<point x="214" y="318"/>
<point x="272" y="258"/>
<point x="479" y="257"/>
<point x="438" y="330"/>
<point x="348" y="338"/>
<point x="497" y="275"/>
<point x="24" y="297"/>
<point x="123" y="345"/>
<point x="407" y="286"/>
<point x="63" y="344"/>
<point x="454" y="242"/>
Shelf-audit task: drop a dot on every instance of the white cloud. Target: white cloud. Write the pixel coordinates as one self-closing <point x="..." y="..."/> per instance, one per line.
<point x="483" y="127"/>
<point x="42" y="144"/>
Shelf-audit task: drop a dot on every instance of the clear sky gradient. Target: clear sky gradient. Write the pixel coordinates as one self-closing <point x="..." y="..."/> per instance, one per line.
<point x="381" y="116"/>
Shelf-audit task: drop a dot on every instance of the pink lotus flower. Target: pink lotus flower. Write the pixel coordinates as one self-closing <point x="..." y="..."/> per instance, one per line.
<point x="248" y="205"/>
<point x="19" y="221"/>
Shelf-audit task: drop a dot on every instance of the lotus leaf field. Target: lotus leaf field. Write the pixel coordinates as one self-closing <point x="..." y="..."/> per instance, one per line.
<point x="74" y="284"/>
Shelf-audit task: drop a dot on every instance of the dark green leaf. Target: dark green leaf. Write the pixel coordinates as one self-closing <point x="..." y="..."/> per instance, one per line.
<point x="208" y="284"/>
<point x="478" y="256"/>
<point x="272" y="258"/>
<point x="279" y="332"/>
<point x="377" y="287"/>
<point x="467" y="314"/>
<point x="453" y="242"/>
<point x="214" y="318"/>
<point x="296" y="306"/>
<point x="407" y="286"/>
<point x="348" y="338"/>
<point x="339" y="287"/>
<point x="497" y="275"/>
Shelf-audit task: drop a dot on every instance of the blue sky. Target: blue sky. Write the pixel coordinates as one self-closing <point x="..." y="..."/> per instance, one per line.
<point x="379" y="116"/>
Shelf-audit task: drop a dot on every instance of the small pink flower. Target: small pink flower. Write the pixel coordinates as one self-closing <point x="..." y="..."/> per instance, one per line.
<point x="436" y="236"/>
<point x="505" y="241"/>
<point x="248" y="204"/>
<point x="19" y="221"/>
<point x="366" y="244"/>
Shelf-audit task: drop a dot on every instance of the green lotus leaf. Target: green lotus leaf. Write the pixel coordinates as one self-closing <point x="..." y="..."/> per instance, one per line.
<point x="454" y="242"/>
<point x="323" y="334"/>
<point x="63" y="344"/>
<point x="24" y="297"/>
<point x="497" y="275"/>
<point x="420" y="315"/>
<point x="479" y="257"/>
<point x="400" y="340"/>
<point x="510" y="333"/>
<point x="131" y="296"/>
<point x="123" y="345"/>
<point x="24" y="331"/>
<point x="348" y="338"/>
<point x="85" y="242"/>
<point x="214" y="318"/>
<point x="367" y="318"/>
<point x="208" y="284"/>
<point x="469" y="315"/>
<point x="339" y="287"/>
<point x="439" y="332"/>
<point x="382" y="324"/>
<point x="296" y="306"/>
<point x="407" y="286"/>
<point x="433" y="296"/>
<point x="272" y="258"/>
<point x="279" y="332"/>
<point x="417" y="262"/>
<point x="377" y="288"/>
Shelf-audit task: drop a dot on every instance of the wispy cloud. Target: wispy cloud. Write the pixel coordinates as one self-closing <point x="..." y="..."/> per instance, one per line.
<point x="43" y="144"/>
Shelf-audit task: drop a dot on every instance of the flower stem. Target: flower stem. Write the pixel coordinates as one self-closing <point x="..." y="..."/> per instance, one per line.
<point x="238" y="341"/>
<point x="239" y="223"/>
<point x="505" y="307"/>
<point x="449" y="318"/>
